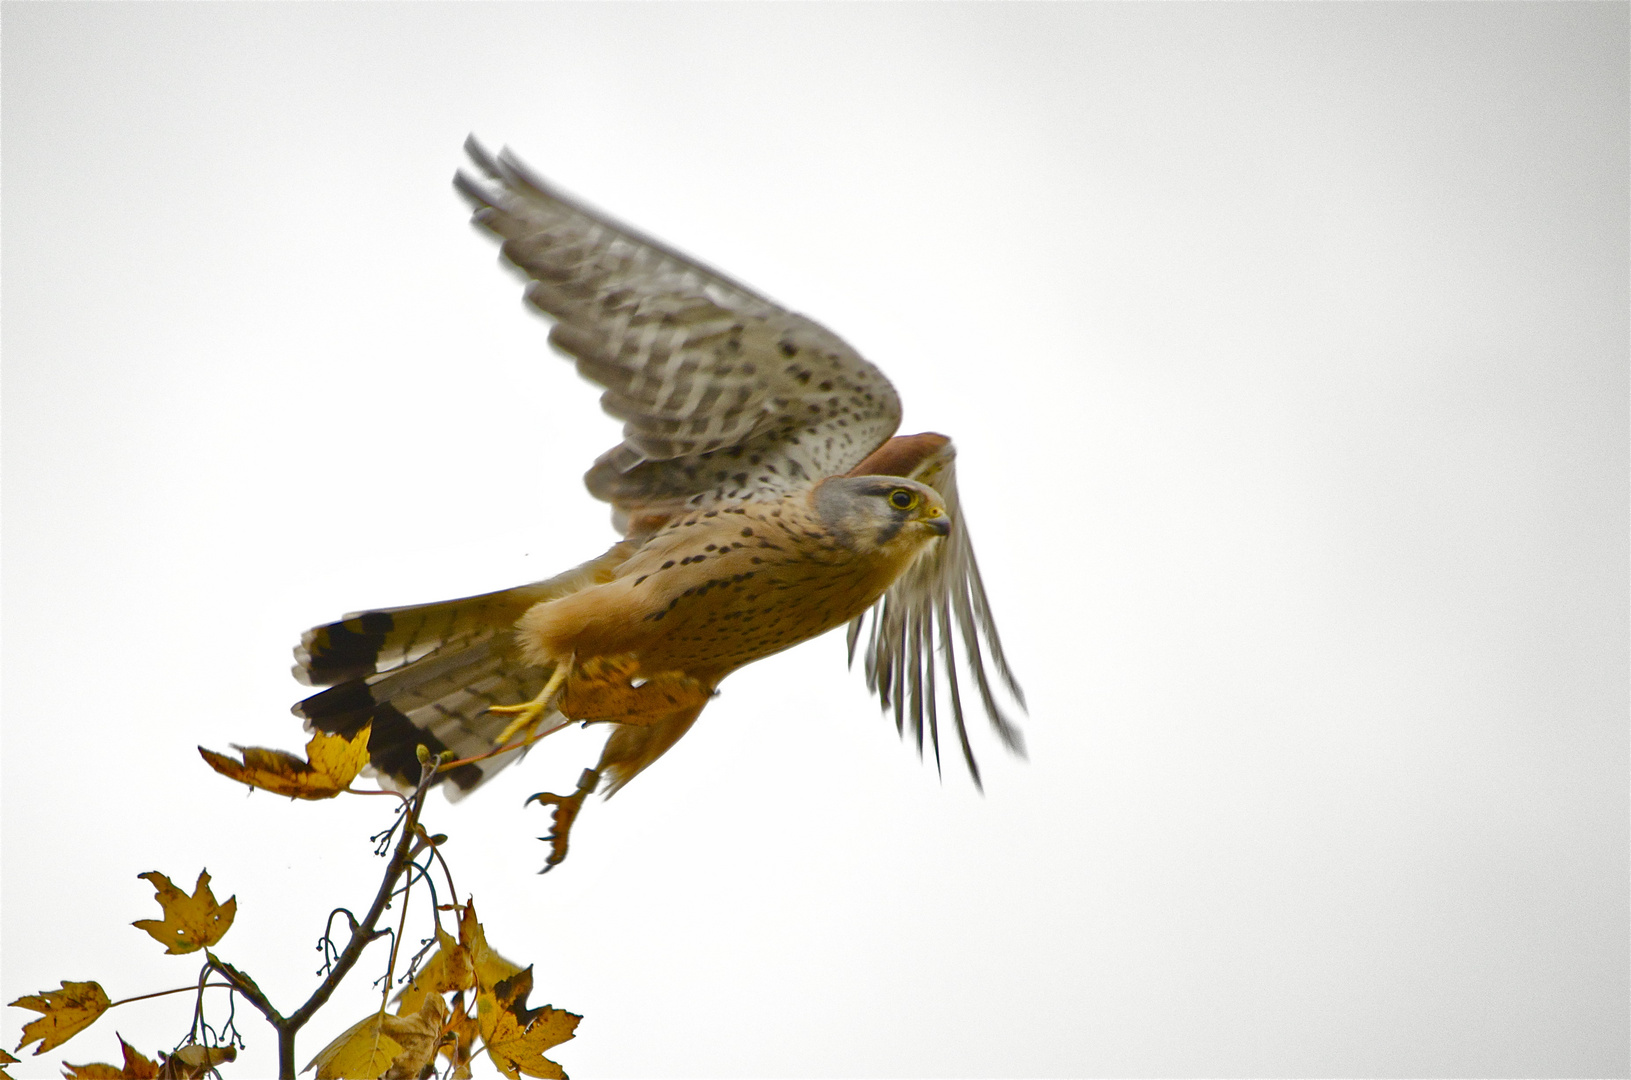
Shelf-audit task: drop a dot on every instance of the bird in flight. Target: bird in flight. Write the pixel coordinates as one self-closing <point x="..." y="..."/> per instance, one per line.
<point x="763" y="498"/>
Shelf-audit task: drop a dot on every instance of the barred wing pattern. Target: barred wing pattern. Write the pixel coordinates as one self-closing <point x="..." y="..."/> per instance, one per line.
<point x="941" y="597"/>
<point x="724" y="395"/>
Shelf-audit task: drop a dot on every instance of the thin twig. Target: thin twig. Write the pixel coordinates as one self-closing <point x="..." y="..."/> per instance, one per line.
<point x="377" y="791"/>
<point x="401" y="928"/>
<point x="447" y="872"/>
<point x="177" y="990"/>
<point x="362" y="933"/>
<point x="521" y="744"/>
<point x="244" y="985"/>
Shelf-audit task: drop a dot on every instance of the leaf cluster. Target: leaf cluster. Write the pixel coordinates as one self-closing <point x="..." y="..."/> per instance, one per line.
<point x="464" y="997"/>
<point x="425" y="1023"/>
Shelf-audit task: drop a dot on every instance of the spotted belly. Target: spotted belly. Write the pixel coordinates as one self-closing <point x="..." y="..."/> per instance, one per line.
<point x="706" y="597"/>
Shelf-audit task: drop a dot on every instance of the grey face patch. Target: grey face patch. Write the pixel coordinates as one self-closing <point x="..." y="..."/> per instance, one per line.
<point x="858" y="512"/>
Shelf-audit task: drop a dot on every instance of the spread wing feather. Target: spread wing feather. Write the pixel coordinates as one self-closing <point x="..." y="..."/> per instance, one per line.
<point x="724" y="395"/>
<point x="939" y="599"/>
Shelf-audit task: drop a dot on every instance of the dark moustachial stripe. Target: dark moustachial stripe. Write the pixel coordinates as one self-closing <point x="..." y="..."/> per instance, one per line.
<point x="346" y="649"/>
<point x="891" y="529"/>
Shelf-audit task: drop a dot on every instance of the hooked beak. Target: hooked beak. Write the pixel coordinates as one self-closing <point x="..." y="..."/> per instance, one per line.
<point x="941" y="525"/>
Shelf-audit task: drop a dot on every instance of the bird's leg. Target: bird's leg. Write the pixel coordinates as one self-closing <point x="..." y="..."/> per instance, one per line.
<point x="527" y="715"/>
<point x="566" y="812"/>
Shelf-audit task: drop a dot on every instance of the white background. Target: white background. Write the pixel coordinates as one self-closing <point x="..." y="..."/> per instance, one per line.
<point x="1285" y="347"/>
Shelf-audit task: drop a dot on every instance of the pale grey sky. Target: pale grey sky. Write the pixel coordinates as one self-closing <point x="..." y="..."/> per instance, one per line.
<point x="1286" y="349"/>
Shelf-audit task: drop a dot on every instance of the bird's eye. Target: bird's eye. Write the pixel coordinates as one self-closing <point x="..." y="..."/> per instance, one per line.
<point x="901" y="499"/>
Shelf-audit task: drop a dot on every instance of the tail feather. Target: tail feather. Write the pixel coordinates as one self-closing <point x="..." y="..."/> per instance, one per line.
<point x="368" y="642"/>
<point x="440" y="702"/>
<point x="427" y="674"/>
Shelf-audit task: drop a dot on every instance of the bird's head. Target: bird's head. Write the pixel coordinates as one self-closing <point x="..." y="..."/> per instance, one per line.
<point x="869" y="513"/>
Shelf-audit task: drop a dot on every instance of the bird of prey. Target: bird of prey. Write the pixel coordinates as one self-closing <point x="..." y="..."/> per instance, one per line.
<point x="763" y="499"/>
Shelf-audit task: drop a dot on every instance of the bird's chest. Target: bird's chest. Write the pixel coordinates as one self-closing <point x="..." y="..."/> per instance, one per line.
<point x="725" y="596"/>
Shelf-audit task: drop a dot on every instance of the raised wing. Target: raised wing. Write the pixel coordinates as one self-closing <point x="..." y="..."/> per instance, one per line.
<point x="724" y="395"/>
<point x="939" y="598"/>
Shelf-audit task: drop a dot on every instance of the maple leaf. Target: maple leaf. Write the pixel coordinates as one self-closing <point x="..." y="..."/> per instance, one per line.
<point x="195" y="1062"/>
<point x="361" y="1052"/>
<point x="67" y="1012"/>
<point x="517" y="1036"/>
<point x="381" y="1045"/>
<point x="458" y="1049"/>
<point x="419" y="1036"/>
<point x="448" y="969"/>
<point x="490" y="967"/>
<point x="332" y="762"/>
<point x="7" y="1059"/>
<point x="136" y="1067"/>
<point x="190" y="922"/>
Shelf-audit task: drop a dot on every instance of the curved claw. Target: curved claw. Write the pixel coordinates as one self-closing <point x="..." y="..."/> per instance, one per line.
<point x="566" y="812"/>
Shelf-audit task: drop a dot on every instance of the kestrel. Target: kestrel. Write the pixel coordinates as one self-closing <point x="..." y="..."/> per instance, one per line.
<point x="763" y="497"/>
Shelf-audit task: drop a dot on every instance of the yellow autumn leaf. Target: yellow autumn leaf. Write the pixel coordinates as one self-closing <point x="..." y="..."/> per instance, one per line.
<point x="490" y="967"/>
<point x="67" y="1012"/>
<point x="190" y="922"/>
<point x="6" y="1059"/>
<point x="136" y="1067"/>
<point x="195" y="1062"/>
<point x="361" y="1052"/>
<point x="449" y="969"/>
<point x="97" y="1070"/>
<point x="459" y="1048"/>
<point x="332" y="762"/>
<point x="393" y="1047"/>
<point x="516" y="1036"/>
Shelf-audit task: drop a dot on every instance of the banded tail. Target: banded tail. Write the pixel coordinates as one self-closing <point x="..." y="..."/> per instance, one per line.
<point x="428" y="673"/>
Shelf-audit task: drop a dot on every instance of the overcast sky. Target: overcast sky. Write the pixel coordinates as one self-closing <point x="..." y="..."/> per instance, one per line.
<point x="1286" y="351"/>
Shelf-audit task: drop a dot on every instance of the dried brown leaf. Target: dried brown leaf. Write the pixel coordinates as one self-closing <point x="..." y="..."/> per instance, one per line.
<point x="418" y="1035"/>
<point x="195" y="1062"/>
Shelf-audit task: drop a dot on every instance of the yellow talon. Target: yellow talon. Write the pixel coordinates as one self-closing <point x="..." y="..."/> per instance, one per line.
<point x="527" y="715"/>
